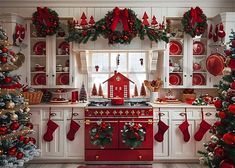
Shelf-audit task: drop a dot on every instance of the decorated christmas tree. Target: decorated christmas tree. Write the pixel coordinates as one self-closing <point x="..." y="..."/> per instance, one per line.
<point x="94" y="90"/>
<point x="83" y="94"/>
<point x="220" y="150"/>
<point x="16" y="146"/>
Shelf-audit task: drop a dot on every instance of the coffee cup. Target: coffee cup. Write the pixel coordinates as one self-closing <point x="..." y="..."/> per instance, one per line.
<point x="66" y="69"/>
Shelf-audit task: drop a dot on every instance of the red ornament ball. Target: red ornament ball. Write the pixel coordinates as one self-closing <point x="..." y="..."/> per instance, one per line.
<point x="21" y="138"/>
<point x="4" y="50"/>
<point x="231" y="64"/>
<point x="8" y="79"/>
<point x="19" y="155"/>
<point x="217" y="123"/>
<point x="3" y="130"/>
<point x="12" y="151"/>
<point x="232" y="85"/>
<point x="4" y="59"/>
<point x="229" y="138"/>
<point x="26" y="140"/>
<point x="226" y="164"/>
<point x="219" y="151"/>
<point x="228" y="52"/>
<point x="218" y="103"/>
<point x="212" y="146"/>
<point x="14" y="125"/>
<point x="221" y="114"/>
<point x="97" y="136"/>
<point x="32" y="140"/>
<point x="30" y="125"/>
<point x="231" y="108"/>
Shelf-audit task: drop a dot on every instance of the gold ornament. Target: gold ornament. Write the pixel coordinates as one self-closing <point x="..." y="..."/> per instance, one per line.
<point x="14" y="117"/>
<point x="10" y="105"/>
<point x="26" y="109"/>
<point x="227" y="71"/>
<point x="20" y="58"/>
<point x="1" y="151"/>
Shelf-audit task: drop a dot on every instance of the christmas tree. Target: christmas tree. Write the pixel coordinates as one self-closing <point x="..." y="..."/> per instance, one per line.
<point x="220" y="150"/>
<point x="94" y="90"/>
<point x="142" y="90"/>
<point x="16" y="146"/>
<point x="83" y="95"/>
<point x="136" y="91"/>
<point x="100" y="91"/>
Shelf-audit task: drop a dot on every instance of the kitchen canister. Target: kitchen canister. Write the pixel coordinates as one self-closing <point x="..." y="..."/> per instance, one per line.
<point x="154" y="96"/>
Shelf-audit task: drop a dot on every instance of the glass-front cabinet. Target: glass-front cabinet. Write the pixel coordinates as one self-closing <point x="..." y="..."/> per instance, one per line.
<point x="185" y="59"/>
<point x="50" y="58"/>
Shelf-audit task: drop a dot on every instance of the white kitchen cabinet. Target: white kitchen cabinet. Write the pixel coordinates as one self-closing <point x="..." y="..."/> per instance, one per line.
<point x="185" y="60"/>
<point x="53" y="53"/>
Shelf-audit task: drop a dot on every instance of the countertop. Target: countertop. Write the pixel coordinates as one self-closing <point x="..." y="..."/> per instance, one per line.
<point x="83" y="105"/>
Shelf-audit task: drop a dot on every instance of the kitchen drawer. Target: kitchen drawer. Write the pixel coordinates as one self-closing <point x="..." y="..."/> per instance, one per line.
<point x="179" y="114"/>
<point x="209" y="114"/>
<point x="78" y="113"/>
<point x="164" y="114"/>
<point x="57" y="113"/>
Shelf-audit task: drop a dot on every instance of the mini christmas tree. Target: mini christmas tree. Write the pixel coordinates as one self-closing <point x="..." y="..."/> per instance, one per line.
<point x="94" y="90"/>
<point x="154" y="21"/>
<point x="91" y="21"/>
<point x="136" y="91"/>
<point x="100" y="92"/>
<point x="142" y="90"/>
<point x="145" y="19"/>
<point x="16" y="146"/>
<point x="220" y="150"/>
<point x="83" y="94"/>
<point x="83" y="19"/>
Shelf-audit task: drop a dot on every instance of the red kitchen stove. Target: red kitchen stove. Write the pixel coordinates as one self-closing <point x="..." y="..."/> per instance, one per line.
<point x="118" y="117"/>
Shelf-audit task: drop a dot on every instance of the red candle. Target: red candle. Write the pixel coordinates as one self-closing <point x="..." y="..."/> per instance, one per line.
<point x="74" y="96"/>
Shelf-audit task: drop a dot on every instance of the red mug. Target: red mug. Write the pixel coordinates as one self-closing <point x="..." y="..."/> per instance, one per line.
<point x="74" y="96"/>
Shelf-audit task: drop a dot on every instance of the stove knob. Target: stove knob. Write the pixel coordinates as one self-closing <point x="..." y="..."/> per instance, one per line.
<point x="101" y="112"/>
<point x="120" y="112"/>
<point x="126" y="112"/>
<point x="107" y="112"/>
<point x="95" y="112"/>
<point x="138" y="112"/>
<point x="132" y="112"/>
<point x="114" y="112"/>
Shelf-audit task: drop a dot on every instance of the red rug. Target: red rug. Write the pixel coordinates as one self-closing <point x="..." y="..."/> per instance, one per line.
<point x="116" y="166"/>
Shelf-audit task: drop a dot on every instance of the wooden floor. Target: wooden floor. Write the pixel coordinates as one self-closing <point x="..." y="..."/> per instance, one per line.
<point x="155" y="165"/>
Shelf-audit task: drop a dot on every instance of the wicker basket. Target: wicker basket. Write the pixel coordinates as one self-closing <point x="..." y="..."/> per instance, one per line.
<point x="33" y="97"/>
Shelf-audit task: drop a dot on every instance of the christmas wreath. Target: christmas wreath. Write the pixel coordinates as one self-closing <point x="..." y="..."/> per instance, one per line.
<point x="101" y="135"/>
<point x="119" y="27"/>
<point x="133" y="134"/>
<point x="194" y="22"/>
<point x="46" y="21"/>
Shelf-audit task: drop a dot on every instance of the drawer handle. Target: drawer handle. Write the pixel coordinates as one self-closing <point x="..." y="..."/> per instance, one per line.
<point x="208" y="114"/>
<point x="97" y="157"/>
<point x="161" y="114"/>
<point x="140" y="157"/>
<point x="52" y="114"/>
<point x="182" y="114"/>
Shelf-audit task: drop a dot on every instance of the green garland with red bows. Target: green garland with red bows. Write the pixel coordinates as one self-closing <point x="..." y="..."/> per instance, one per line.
<point x="194" y="22"/>
<point x="133" y="134"/>
<point x="101" y="134"/>
<point x="46" y="21"/>
<point x="119" y="27"/>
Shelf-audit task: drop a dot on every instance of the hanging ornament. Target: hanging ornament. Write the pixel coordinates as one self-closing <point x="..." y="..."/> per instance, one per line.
<point x="226" y="164"/>
<point x="12" y="151"/>
<point x="227" y="71"/>
<point x="29" y="125"/>
<point x="229" y="138"/>
<point x="211" y="155"/>
<point x="3" y="130"/>
<point x="231" y="108"/>
<point x="27" y="109"/>
<point x="96" y="68"/>
<point x="141" y="61"/>
<point x="21" y="138"/>
<point x="32" y="140"/>
<point x="4" y="60"/>
<point x="19" y="155"/>
<point x="26" y="140"/>
<point x="14" y="125"/>
<point x="219" y="152"/>
<point x="14" y="117"/>
<point x="10" y="105"/>
<point x="8" y="79"/>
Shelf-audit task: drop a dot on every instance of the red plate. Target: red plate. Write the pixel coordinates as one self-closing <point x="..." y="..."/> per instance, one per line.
<point x="198" y="48"/>
<point x="198" y="79"/>
<point x="64" y="46"/>
<point x="40" y="79"/>
<point x="39" y="48"/>
<point x="174" y="79"/>
<point x="175" y="48"/>
<point x="63" y="79"/>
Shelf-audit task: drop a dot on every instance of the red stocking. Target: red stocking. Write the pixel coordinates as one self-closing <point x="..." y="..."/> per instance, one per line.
<point x="74" y="127"/>
<point x="184" y="129"/>
<point x="51" y="127"/>
<point x="162" y="128"/>
<point x="204" y="127"/>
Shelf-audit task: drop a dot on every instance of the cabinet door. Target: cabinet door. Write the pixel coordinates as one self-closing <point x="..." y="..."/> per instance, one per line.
<point x="179" y="148"/>
<point x="76" y="147"/>
<point x="55" y="148"/>
<point x="35" y="119"/>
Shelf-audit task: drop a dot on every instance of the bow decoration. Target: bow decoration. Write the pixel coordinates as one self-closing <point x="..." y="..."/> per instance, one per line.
<point x="195" y="16"/>
<point x="120" y="15"/>
<point x="44" y="16"/>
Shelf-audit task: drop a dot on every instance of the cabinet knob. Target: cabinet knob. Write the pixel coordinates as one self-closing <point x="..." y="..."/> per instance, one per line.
<point x="140" y="157"/>
<point x="97" y="157"/>
<point x="208" y="114"/>
<point x="53" y="114"/>
<point x="53" y="75"/>
<point x="46" y="75"/>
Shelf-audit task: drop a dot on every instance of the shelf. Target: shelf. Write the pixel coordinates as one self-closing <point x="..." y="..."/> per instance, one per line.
<point x="38" y="38"/>
<point x="200" y="72"/>
<point x="175" y="72"/>
<point x="176" y="55"/>
<point x="38" y="56"/>
<point x="62" y="55"/>
<point x="61" y="72"/>
<point x="199" y="56"/>
<point x="176" y="38"/>
<point x="61" y="38"/>
<point x="35" y="72"/>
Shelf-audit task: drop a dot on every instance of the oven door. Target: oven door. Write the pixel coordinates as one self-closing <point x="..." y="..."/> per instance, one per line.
<point x="92" y="124"/>
<point x="146" y="123"/>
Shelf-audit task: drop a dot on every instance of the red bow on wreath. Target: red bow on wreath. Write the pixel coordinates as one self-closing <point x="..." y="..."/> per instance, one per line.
<point x="44" y="16"/>
<point x="120" y="15"/>
<point x="195" y="14"/>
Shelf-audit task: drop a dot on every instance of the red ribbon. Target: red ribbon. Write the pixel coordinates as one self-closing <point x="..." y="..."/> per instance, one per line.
<point x="120" y="15"/>
<point x="195" y="14"/>
<point x="44" y="16"/>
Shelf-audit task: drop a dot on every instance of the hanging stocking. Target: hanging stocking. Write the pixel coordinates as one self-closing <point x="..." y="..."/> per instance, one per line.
<point x="204" y="127"/>
<point x="162" y="128"/>
<point x="51" y="127"/>
<point x="184" y="129"/>
<point x="74" y="127"/>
